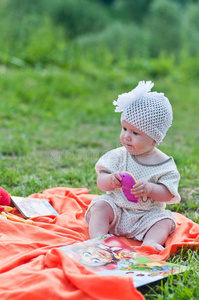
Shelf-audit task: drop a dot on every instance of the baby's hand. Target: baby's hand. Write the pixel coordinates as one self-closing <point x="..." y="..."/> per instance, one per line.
<point x="142" y="188"/>
<point x="115" y="180"/>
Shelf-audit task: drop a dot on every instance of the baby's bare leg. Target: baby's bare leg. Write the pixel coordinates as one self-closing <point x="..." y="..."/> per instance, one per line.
<point x="101" y="216"/>
<point x="158" y="234"/>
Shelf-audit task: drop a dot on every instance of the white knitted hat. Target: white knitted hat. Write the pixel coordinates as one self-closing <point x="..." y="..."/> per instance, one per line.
<point x="150" y="112"/>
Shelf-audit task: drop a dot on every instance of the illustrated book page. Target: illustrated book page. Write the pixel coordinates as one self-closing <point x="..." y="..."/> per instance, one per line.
<point x="33" y="207"/>
<point x="108" y="255"/>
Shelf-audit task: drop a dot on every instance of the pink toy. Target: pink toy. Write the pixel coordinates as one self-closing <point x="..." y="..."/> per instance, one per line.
<point x="128" y="182"/>
<point x="4" y="197"/>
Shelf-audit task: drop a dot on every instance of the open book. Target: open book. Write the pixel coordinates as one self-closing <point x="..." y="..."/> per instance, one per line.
<point x="33" y="207"/>
<point x="108" y="255"/>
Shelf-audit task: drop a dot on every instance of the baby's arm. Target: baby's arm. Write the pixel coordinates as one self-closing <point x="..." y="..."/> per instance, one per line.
<point x="157" y="192"/>
<point x="108" y="181"/>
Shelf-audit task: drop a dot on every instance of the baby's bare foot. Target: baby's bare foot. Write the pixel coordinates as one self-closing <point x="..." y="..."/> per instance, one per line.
<point x="158" y="247"/>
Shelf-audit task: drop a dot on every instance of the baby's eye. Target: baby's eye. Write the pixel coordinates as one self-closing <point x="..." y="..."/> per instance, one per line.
<point x="124" y="128"/>
<point x="87" y="254"/>
<point x="135" y="133"/>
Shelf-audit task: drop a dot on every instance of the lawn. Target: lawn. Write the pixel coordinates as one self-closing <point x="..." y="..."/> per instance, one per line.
<point x="56" y="123"/>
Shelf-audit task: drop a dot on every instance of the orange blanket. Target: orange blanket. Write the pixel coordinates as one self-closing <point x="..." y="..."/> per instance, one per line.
<point x="29" y="271"/>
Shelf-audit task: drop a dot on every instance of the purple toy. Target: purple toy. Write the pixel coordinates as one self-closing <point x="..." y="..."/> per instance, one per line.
<point x="128" y="182"/>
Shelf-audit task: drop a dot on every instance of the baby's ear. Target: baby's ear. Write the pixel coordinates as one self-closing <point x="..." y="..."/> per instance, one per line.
<point x="154" y="143"/>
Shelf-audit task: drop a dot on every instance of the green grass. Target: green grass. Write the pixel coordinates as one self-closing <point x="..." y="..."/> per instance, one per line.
<point x="55" y="124"/>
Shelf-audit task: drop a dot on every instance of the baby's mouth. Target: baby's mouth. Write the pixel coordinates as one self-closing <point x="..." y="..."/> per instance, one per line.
<point x="128" y="145"/>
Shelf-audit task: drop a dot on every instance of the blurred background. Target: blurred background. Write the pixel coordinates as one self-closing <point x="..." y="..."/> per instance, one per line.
<point x="104" y="32"/>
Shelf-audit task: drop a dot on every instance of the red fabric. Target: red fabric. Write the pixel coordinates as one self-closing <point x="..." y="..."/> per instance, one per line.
<point x="29" y="271"/>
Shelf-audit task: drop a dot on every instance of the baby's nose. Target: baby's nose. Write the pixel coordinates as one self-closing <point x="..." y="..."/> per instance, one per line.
<point x="127" y="136"/>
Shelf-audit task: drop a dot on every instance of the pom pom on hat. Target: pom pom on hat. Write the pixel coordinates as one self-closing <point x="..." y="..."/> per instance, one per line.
<point x="125" y="99"/>
<point x="4" y="197"/>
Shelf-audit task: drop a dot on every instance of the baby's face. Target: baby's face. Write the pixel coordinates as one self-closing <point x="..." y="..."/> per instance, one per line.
<point x="135" y="141"/>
